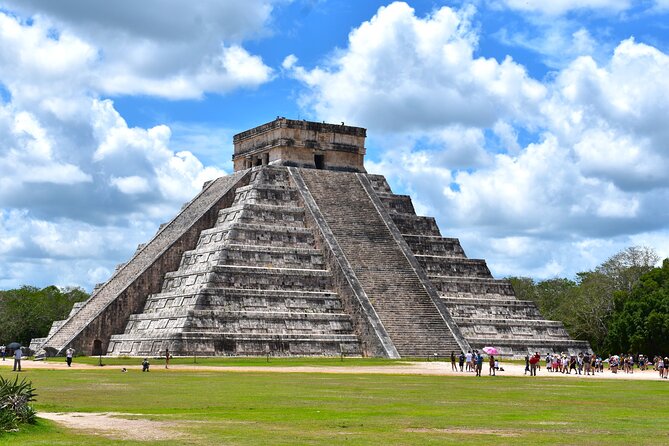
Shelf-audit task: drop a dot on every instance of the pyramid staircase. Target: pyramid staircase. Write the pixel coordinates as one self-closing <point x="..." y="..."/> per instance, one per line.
<point x="410" y="316"/>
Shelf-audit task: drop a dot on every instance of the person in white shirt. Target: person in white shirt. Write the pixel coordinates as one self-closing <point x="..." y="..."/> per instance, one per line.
<point x="468" y="361"/>
<point x="68" y="355"/>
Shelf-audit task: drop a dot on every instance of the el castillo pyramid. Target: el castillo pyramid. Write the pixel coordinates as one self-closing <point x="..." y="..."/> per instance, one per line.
<point x="301" y="252"/>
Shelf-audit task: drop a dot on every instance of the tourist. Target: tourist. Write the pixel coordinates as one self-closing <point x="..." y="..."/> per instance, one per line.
<point x="479" y="363"/>
<point x="454" y="366"/>
<point x="491" y="362"/>
<point x="660" y="366"/>
<point x="527" y="364"/>
<point x="666" y="367"/>
<point x="534" y="360"/>
<point x="68" y="356"/>
<point x="167" y="357"/>
<point x="587" y="363"/>
<point x="18" y="354"/>
<point x="468" y="358"/>
<point x="549" y="363"/>
<point x="461" y="360"/>
<point x="613" y="364"/>
<point x="555" y="363"/>
<point x="3" y="351"/>
<point x="145" y="365"/>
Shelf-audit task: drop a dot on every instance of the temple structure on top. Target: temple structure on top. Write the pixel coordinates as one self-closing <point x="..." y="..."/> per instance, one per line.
<point x="314" y="145"/>
<point x="301" y="252"/>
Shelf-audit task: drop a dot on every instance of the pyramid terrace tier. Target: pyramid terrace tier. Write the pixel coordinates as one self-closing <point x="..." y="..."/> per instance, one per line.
<point x="228" y="276"/>
<point x="268" y="214"/>
<point x="434" y="245"/>
<point x="512" y="328"/>
<point x="215" y="343"/>
<point x="400" y="204"/>
<point x="255" y="322"/>
<point x="266" y="194"/>
<point x="379" y="184"/>
<point x="492" y="308"/>
<point x="252" y="255"/>
<point x="236" y="299"/>
<point x="256" y="234"/>
<point x="454" y="266"/>
<point x="472" y="287"/>
<point x="518" y="348"/>
<point x="412" y="224"/>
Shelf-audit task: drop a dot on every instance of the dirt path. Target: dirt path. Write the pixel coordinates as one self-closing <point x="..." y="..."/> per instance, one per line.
<point x="411" y="368"/>
<point x="116" y="426"/>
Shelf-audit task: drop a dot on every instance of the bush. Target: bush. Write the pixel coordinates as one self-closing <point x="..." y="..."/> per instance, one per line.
<point x="14" y="403"/>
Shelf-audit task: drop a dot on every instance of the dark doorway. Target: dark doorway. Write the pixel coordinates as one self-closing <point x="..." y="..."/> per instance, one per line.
<point x="97" y="347"/>
<point x="319" y="161"/>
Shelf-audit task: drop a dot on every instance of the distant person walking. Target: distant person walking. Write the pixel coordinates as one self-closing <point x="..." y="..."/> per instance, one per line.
<point x="145" y="365"/>
<point x="492" y="366"/>
<point x="479" y="363"/>
<point x="454" y="365"/>
<point x="461" y="360"/>
<point x="18" y="354"/>
<point x="167" y="357"/>
<point x="68" y="356"/>
<point x="3" y="351"/>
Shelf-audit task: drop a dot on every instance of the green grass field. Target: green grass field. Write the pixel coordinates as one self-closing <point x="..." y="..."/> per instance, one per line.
<point x="251" y="408"/>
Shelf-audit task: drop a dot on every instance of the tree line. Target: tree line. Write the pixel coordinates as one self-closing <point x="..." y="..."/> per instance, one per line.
<point x="28" y="312"/>
<point x="622" y="306"/>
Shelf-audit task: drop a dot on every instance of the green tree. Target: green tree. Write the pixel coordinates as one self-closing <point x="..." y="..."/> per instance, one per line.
<point x="642" y="322"/>
<point x="28" y="312"/>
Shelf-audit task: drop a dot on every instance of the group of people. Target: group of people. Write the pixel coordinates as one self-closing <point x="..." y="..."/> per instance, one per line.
<point x="472" y="361"/>
<point x="583" y="363"/>
<point x="590" y="363"/>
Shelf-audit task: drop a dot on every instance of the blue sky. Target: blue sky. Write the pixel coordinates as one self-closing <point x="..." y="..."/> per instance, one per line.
<point x="536" y="132"/>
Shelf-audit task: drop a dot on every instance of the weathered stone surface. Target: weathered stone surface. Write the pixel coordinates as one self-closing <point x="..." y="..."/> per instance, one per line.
<point x="485" y="309"/>
<point x="293" y="261"/>
<point x="255" y="283"/>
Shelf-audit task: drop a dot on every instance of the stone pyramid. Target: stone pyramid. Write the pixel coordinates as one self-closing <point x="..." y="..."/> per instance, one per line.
<point x="301" y="252"/>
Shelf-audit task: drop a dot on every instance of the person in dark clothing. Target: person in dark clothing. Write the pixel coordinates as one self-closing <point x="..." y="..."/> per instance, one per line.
<point x="145" y="365"/>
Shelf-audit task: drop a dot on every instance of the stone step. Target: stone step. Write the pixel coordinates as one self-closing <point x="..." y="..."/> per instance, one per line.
<point x="434" y="245"/>
<point x="400" y="204"/>
<point x="256" y="234"/>
<point x="211" y="295"/>
<point x="241" y="322"/>
<point x="454" y="266"/>
<point x="379" y="183"/>
<point x="270" y="278"/>
<point x="267" y="194"/>
<point x="471" y="287"/>
<point x="252" y="255"/>
<point x="254" y="213"/>
<point x="270" y="175"/>
<point x="216" y="343"/>
<point x="412" y="224"/>
<point x="492" y="308"/>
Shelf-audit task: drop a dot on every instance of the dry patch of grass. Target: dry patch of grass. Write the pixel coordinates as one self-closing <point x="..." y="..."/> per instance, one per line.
<point x="115" y="426"/>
